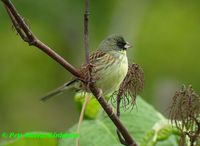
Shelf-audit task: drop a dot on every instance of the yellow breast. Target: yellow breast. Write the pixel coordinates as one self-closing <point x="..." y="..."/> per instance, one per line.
<point x="112" y="76"/>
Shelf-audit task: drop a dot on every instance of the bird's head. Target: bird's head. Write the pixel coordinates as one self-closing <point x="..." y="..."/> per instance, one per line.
<point x="114" y="42"/>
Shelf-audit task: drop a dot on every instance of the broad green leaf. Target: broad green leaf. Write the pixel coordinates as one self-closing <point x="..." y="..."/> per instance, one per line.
<point x="147" y="126"/>
<point x="162" y="133"/>
<point x="144" y="123"/>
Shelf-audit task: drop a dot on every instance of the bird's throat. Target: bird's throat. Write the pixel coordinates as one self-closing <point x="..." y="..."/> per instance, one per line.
<point x="123" y="52"/>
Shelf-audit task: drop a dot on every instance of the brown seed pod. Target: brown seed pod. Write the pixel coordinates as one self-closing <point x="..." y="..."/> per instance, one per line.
<point x="131" y="86"/>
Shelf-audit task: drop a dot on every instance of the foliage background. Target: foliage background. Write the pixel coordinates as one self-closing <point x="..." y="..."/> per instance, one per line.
<point x="165" y="35"/>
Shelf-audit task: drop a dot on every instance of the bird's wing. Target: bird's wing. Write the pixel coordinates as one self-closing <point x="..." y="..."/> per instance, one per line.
<point x="95" y="59"/>
<point x="96" y="56"/>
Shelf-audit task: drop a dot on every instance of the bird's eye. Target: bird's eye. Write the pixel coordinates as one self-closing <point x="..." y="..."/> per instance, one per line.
<point x="121" y="44"/>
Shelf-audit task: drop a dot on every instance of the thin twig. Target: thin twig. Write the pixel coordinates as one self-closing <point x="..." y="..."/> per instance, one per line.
<point x="86" y="46"/>
<point x="86" y="32"/>
<point x="118" y="115"/>
<point x="86" y="99"/>
<point x="19" y="19"/>
<point x="15" y="24"/>
<point x="118" y="103"/>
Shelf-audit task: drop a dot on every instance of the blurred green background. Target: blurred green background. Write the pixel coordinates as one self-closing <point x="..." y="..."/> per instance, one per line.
<point x="165" y="36"/>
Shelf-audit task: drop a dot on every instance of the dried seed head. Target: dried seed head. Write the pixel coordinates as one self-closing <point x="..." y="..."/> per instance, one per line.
<point x="131" y="85"/>
<point x="185" y="109"/>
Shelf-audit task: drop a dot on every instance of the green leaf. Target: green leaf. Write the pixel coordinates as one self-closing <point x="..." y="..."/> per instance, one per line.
<point x="161" y="133"/>
<point x="147" y="126"/>
<point x="93" y="107"/>
<point x="143" y="123"/>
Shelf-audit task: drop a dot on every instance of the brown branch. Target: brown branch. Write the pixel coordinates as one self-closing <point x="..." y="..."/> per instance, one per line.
<point x="29" y="37"/>
<point x="86" y="100"/>
<point x="98" y="95"/>
<point x="15" y="24"/>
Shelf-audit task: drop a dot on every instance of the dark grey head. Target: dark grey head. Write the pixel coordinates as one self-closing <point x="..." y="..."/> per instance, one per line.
<point x="114" y="42"/>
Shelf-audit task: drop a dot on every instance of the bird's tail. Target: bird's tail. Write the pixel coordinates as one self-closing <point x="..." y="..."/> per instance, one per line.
<point x="59" y="90"/>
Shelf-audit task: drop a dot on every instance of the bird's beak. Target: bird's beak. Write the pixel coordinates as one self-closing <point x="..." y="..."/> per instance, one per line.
<point x="127" y="45"/>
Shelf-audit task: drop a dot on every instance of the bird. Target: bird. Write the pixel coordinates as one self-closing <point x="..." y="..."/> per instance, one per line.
<point x="109" y="67"/>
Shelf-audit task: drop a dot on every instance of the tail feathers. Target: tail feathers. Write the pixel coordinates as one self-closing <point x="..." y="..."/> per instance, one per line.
<point x="59" y="90"/>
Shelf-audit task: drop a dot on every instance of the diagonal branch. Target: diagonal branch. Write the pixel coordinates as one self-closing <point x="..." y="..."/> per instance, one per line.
<point x="30" y="38"/>
<point x="108" y="109"/>
<point x="15" y="24"/>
